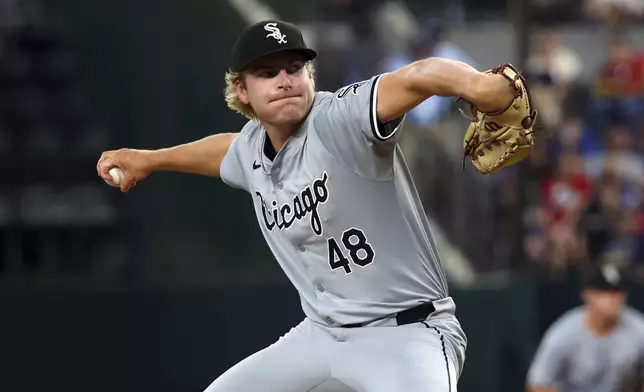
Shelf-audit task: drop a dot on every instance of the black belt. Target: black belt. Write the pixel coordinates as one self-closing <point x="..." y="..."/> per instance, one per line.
<point x="413" y="315"/>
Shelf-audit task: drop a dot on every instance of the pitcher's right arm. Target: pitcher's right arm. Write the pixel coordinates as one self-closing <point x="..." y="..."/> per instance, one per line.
<point x="199" y="157"/>
<point x="202" y="157"/>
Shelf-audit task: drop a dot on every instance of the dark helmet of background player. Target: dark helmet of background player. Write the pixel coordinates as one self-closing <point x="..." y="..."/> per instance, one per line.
<point x="268" y="37"/>
<point x="604" y="291"/>
<point x="603" y="277"/>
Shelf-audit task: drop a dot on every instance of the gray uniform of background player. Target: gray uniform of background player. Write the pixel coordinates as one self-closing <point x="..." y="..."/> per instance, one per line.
<point x="339" y="211"/>
<point x="572" y="359"/>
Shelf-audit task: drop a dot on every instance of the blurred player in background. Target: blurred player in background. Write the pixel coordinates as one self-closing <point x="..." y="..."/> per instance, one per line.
<point x="598" y="346"/>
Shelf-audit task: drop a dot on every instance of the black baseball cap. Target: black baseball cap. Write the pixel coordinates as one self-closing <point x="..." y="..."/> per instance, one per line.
<point x="267" y="37"/>
<point x="604" y="277"/>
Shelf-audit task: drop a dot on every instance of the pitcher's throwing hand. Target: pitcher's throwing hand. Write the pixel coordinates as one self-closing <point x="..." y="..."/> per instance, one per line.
<point x="135" y="165"/>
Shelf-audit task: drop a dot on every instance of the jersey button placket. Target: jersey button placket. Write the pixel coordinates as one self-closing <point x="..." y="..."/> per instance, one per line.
<point x="279" y="184"/>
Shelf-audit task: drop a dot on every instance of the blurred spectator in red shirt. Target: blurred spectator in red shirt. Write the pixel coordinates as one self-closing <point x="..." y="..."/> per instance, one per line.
<point x="563" y="198"/>
<point x="622" y="73"/>
<point x="564" y="195"/>
<point x="620" y="85"/>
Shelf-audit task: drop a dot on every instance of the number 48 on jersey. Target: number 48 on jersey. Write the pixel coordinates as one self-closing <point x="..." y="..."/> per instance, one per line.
<point x="352" y="249"/>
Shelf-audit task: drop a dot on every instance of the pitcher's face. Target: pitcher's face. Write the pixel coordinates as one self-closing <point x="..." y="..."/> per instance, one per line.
<point x="279" y="88"/>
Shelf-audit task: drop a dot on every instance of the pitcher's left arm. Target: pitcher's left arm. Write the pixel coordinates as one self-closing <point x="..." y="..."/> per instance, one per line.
<point x="407" y="87"/>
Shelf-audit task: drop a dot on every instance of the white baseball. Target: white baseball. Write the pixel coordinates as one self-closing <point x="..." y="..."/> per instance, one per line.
<point x="117" y="176"/>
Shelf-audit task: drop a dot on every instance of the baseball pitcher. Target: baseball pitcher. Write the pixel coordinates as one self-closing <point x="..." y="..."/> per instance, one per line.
<point x="595" y="347"/>
<point x="338" y="208"/>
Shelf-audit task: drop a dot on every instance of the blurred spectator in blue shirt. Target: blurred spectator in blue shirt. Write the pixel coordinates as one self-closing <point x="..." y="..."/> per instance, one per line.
<point x="431" y="43"/>
<point x="619" y="155"/>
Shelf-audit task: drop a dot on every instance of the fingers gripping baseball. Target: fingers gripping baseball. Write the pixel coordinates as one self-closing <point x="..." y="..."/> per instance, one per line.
<point x="132" y="166"/>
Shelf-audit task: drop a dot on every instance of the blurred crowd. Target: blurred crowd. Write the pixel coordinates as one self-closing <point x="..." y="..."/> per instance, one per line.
<point x="54" y="216"/>
<point x="587" y="181"/>
<point x="588" y="11"/>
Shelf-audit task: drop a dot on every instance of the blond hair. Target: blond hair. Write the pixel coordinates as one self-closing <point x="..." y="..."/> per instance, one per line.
<point x="232" y="98"/>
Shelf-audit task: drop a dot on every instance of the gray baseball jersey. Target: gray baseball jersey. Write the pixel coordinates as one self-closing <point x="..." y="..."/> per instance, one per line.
<point x="571" y="359"/>
<point x="340" y="212"/>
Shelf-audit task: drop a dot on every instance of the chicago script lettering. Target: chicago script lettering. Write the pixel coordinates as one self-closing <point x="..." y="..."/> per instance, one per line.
<point x="304" y="203"/>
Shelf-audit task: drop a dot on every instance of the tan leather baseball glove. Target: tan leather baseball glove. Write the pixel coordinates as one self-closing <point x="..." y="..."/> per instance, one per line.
<point x="494" y="141"/>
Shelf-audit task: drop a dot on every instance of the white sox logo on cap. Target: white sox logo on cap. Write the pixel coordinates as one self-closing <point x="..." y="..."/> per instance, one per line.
<point x="275" y="32"/>
<point x="611" y="274"/>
